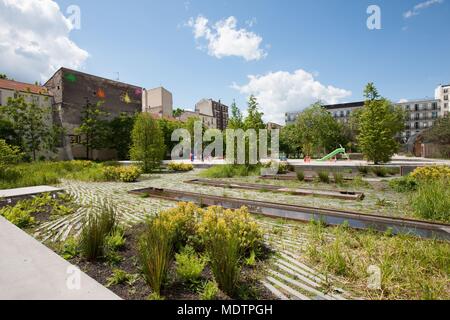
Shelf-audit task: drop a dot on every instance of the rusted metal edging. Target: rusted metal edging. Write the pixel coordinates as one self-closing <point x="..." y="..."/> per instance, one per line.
<point x="355" y="220"/>
<point x="346" y="195"/>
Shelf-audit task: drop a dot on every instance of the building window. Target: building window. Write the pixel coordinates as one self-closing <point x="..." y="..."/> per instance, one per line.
<point x="434" y="115"/>
<point x="445" y="90"/>
<point x="416" y="107"/>
<point x="434" y="105"/>
<point x="416" y="125"/>
<point x="445" y="105"/>
<point x="407" y="107"/>
<point x="446" y="97"/>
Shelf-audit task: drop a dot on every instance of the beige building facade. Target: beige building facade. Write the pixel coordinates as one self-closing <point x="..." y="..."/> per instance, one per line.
<point x="157" y="101"/>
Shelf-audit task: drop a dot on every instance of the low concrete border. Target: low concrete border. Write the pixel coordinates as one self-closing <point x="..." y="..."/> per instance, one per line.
<point x="31" y="271"/>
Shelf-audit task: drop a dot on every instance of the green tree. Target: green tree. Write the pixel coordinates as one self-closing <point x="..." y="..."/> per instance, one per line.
<point x="236" y="120"/>
<point x="290" y="139"/>
<point x="8" y="154"/>
<point x="379" y="124"/>
<point x="148" y="142"/>
<point x="168" y="127"/>
<point x="94" y="127"/>
<point x="31" y="123"/>
<point x="3" y="76"/>
<point x="439" y="134"/>
<point x="177" y="112"/>
<point x="254" y="116"/>
<point x="7" y="131"/>
<point x="120" y="135"/>
<point x="319" y="132"/>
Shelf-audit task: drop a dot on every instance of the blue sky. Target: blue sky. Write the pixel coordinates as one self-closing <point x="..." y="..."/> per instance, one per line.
<point x="152" y="43"/>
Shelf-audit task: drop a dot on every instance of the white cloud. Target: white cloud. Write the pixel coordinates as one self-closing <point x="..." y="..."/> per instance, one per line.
<point x="34" y="40"/>
<point x="223" y="39"/>
<point x="402" y="101"/>
<point x="419" y="7"/>
<point x="281" y="92"/>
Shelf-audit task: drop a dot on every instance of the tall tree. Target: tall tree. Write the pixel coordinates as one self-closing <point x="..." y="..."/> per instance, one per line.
<point x="31" y="123"/>
<point x="148" y="143"/>
<point x="236" y="119"/>
<point x="379" y="124"/>
<point x="168" y="127"/>
<point x="120" y="135"/>
<point x="94" y="127"/>
<point x="290" y="140"/>
<point x="253" y="120"/>
<point x="319" y="132"/>
<point x="3" y="76"/>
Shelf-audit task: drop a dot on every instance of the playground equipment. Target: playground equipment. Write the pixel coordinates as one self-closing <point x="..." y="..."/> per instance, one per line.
<point x="340" y="150"/>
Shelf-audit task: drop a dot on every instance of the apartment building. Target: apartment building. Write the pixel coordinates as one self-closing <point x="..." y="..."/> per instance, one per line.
<point x="39" y="95"/>
<point x="442" y="94"/>
<point x="420" y="115"/>
<point x="157" y="101"/>
<point x="215" y="109"/>
<point x="208" y="121"/>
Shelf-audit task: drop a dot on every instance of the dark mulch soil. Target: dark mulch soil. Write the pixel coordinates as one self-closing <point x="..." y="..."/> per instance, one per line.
<point x="250" y="287"/>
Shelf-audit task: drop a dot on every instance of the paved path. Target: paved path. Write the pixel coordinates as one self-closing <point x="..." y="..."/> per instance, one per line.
<point x="31" y="271"/>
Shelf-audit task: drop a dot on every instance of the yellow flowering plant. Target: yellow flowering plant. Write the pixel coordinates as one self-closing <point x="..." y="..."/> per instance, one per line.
<point x="431" y="173"/>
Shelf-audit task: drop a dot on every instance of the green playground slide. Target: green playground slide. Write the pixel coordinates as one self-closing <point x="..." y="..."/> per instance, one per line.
<point x="333" y="154"/>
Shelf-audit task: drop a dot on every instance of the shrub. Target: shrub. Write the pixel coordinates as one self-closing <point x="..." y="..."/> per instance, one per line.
<point x="128" y="174"/>
<point x="148" y="143"/>
<point x="180" y="167"/>
<point x="338" y="178"/>
<point x="283" y="168"/>
<point x="155" y="252"/>
<point x="120" y="277"/>
<point x="393" y="171"/>
<point x="380" y="171"/>
<point x="363" y="170"/>
<point x="189" y="265"/>
<point x="182" y="222"/>
<point x="300" y="175"/>
<point x="431" y="173"/>
<point x="116" y="240"/>
<point x="18" y="215"/>
<point x="124" y="174"/>
<point x="95" y="231"/>
<point x="216" y="221"/>
<point x="209" y="291"/>
<point x="324" y="176"/>
<point x="432" y="200"/>
<point x="9" y="154"/>
<point x="404" y="184"/>
<point x="69" y="249"/>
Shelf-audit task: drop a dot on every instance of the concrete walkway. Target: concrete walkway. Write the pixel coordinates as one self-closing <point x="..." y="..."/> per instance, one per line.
<point x="31" y="271"/>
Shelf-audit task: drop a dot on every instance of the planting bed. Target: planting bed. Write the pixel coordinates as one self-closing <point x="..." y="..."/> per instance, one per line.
<point x="138" y="289"/>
